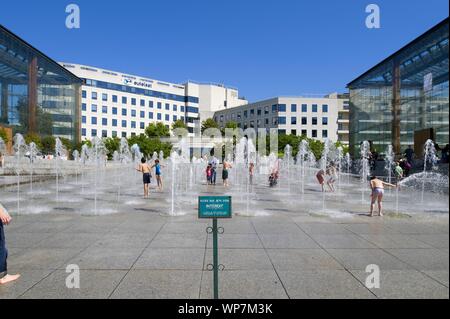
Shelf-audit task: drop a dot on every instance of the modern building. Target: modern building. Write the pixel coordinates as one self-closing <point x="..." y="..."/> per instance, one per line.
<point x="313" y="117"/>
<point x="115" y="104"/>
<point x="37" y="95"/>
<point x="403" y="100"/>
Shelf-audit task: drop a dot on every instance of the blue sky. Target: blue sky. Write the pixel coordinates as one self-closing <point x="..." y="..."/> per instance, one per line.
<point x="264" y="48"/>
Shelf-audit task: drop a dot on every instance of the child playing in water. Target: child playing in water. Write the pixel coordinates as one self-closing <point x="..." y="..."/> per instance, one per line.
<point x="209" y="174"/>
<point x="5" y="219"/>
<point x="251" y="172"/>
<point x="321" y="178"/>
<point x="377" y="187"/>
<point x="331" y="177"/>
<point x="158" y="174"/>
<point x="145" y="169"/>
<point x="225" y="173"/>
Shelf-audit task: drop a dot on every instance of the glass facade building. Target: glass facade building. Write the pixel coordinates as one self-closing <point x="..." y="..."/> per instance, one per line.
<point x="403" y="96"/>
<point x="37" y="95"/>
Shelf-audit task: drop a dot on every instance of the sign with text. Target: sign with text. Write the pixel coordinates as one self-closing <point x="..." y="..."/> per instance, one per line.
<point x="214" y="207"/>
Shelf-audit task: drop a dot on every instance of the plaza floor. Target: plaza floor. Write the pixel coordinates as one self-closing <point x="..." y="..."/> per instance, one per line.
<point x="287" y="254"/>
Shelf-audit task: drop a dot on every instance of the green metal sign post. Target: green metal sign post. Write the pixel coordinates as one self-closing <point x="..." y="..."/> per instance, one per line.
<point x="215" y="207"/>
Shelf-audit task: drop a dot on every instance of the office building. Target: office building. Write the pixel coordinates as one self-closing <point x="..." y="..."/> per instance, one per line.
<point x="403" y="100"/>
<point x="37" y="95"/>
<point x="313" y="117"/>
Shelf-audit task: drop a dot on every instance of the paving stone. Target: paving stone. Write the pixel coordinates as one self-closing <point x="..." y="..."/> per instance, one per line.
<point x="302" y="259"/>
<point x="171" y="258"/>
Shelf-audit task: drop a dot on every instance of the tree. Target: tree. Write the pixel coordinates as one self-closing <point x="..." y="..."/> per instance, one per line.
<point x="3" y="135"/>
<point x="209" y="123"/>
<point x="35" y="138"/>
<point x="112" y="144"/>
<point x="48" y="144"/>
<point x="148" y="146"/>
<point x="179" y="128"/>
<point x="157" y="130"/>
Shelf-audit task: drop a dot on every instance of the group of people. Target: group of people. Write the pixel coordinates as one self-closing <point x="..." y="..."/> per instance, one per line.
<point x="146" y="169"/>
<point x="327" y="176"/>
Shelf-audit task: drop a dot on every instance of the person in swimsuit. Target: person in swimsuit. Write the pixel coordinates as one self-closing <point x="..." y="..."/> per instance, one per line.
<point x="377" y="187"/>
<point x="145" y="169"/>
<point x="331" y="177"/>
<point x="251" y="172"/>
<point x="321" y="178"/>
<point x="225" y="173"/>
<point x="209" y="174"/>
<point x="158" y="174"/>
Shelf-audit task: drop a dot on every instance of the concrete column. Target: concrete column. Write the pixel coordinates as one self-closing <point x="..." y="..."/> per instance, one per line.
<point x="32" y="94"/>
<point x="396" y="107"/>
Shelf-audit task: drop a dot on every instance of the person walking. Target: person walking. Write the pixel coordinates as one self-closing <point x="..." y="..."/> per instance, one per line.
<point x="5" y="219"/>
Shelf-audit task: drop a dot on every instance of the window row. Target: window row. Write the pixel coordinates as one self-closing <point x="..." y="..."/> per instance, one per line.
<point x="105" y="121"/>
<point x="151" y="104"/>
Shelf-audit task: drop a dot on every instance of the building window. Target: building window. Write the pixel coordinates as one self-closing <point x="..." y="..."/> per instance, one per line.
<point x="94" y="133"/>
<point x="252" y="112"/>
<point x="124" y="100"/>
<point x="314" y="121"/>
<point x="175" y="118"/>
<point x="94" y="120"/>
<point x="281" y="107"/>
<point x="314" y="133"/>
<point x="294" y="132"/>
<point x="124" y="112"/>
<point x="114" y="133"/>
<point x="104" y="121"/>
<point x="114" y="110"/>
<point x="282" y="120"/>
<point x="294" y="120"/>
<point x="325" y="121"/>
<point x="114" y="122"/>
<point x="133" y="124"/>
<point x="293" y="108"/>
<point x="124" y="134"/>
<point x="305" y="133"/>
<point x="83" y="94"/>
<point x="175" y="108"/>
<point x="266" y="110"/>
<point x="133" y="113"/>
<point x="282" y="132"/>
<point x="266" y="121"/>
<point x="94" y="95"/>
<point x="324" y="134"/>
<point x="142" y="114"/>
<point x="259" y="112"/>
<point x="150" y="115"/>
<point x="159" y="105"/>
<point x="304" y="120"/>
<point x="83" y="107"/>
<point x="274" y="121"/>
<point x="167" y="117"/>
<point x="159" y="116"/>
<point x="304" y="108"/>
<point x="83" y="132"/>
<point x="104" y="97"/>
<point x="133" y="101"/>
<point x="83" y="119"/>
<point x="182" y="108"/>
<point x="245" y="114"/>
<point x="94" y="108"/>
<point x="114" y="99"/>
<point x="314" y="108"/>
<point x="325" y="108"/>
<point x="167" y="107"/>
<point x="143" y="103"/>
<point x="104" y="109"/>
<point x="104" y="133"/>
<point x="142" y="125"/>
<point x="124" y="123"/>
<point x="274" y="108"/>
<point x="150" y="104"/>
